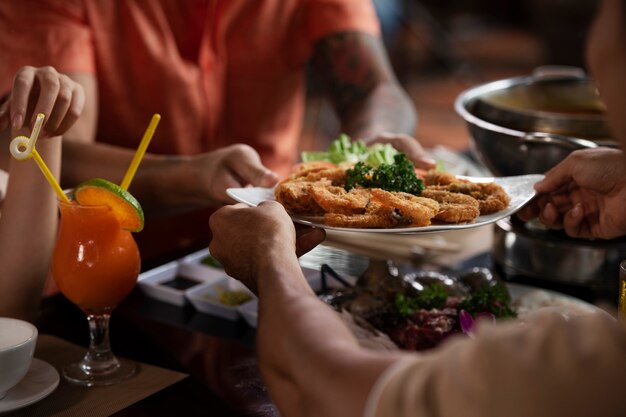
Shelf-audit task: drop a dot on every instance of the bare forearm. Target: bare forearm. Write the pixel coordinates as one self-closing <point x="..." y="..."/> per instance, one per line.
<point x="310" y="360"/>
<point x="158" y="183"/>
<point x="386" y="109"/>
<point x="362" y="86"/>
<point x="27" y="232"/>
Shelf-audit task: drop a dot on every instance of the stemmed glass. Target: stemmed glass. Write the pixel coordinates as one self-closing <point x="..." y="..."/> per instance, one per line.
<point x="95" y="265"/>
<point x="95" y="262"/>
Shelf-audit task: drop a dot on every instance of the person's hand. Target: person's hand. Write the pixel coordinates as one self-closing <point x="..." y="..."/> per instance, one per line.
<point x="42" y="90"/>
<point x="245" y="238"/>
<point x="234" y="166"/>
<point x="584" y="195"/>
<point x="408" y="145"/>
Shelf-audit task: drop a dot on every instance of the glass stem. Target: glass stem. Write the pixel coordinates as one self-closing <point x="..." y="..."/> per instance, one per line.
<point x="99" y="359"/>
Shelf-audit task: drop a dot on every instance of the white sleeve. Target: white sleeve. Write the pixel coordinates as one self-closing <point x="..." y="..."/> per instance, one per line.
<point x="551" y="367"/>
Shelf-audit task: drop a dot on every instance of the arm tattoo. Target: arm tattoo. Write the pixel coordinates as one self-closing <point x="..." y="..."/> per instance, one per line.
<point x="350" y="67"/>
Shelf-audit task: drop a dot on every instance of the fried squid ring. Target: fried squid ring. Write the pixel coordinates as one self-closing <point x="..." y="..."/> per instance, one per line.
<point x="453" y="207"/>
<point x="415" y="211"/>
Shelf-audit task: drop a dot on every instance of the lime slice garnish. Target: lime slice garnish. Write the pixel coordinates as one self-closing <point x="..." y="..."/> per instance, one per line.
<point x="125" y="207"/>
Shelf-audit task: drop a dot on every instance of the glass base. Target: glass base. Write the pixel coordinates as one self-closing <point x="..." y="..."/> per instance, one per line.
<point x="82" y="374"/>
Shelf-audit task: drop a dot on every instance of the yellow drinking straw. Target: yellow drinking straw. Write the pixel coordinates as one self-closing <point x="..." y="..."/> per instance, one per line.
<point x="141" y="150"/>
<point x="23" y="148"/>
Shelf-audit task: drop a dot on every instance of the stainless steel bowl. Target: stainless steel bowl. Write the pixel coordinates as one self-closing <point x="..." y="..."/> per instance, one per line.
<point x="526" y="249"/>
<point x="526" y="125"/>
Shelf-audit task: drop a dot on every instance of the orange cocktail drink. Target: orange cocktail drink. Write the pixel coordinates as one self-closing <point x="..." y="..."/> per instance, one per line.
<point x="95" y="262"/>
<point x="95" y="265"/>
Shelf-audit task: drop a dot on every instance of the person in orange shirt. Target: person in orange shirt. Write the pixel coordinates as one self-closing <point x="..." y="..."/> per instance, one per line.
<point x="552" y="366"/>
<point x="228" y="79"/>
<point x="29" y="207"/>
<point x="220" y="72"/>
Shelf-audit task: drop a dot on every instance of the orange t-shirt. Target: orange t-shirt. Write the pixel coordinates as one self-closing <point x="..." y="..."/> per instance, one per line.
<point x="219" y="71"/>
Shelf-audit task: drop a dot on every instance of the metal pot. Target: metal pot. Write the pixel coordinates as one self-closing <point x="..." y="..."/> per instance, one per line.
<point x="529" y="250"/>
<point x="526" y="125"/>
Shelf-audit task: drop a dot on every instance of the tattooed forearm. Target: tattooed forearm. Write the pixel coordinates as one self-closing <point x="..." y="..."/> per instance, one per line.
<point x="349" y="68"/>
<point x="366" y="96"/>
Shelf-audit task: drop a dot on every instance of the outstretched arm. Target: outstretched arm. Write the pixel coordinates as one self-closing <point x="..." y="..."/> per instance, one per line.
<point x="313" y="366"/>
<point x="583" y="195"/>
<point x="365" y="93"/>
<point x="166" y="184"/>
<point x="311" y="362"/>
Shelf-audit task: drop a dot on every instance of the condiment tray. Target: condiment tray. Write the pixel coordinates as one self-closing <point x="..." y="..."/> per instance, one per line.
<point x="198" y="279"/>
<point x="169" y="281"/>
<point x="207" y="298"/>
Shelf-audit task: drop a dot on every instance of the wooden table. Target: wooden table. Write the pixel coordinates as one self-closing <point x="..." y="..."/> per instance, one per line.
<point x="217" y="354"/>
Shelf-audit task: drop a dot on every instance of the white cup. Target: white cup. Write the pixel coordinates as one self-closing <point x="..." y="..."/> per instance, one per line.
<point x="17" y="344"/>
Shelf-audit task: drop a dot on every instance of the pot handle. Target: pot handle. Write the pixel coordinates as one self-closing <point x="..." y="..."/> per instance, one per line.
<point x="559" y="140"/>
<point x="558" y="71"/>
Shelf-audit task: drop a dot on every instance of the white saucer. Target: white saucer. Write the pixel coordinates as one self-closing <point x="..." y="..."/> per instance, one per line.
<point x="39" y="382"/>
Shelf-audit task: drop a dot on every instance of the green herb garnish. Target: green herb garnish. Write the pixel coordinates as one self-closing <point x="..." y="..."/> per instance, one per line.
<point x="343" y="149"/>
<point x="399" y="176"/>
<point x="493" y="299"/>
<point x="433" y="296"/>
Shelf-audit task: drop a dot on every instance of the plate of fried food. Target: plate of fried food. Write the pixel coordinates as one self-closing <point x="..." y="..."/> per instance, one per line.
<point x="387" y="194"/>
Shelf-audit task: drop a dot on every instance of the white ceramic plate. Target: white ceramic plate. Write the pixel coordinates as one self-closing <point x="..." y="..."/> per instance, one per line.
<point x="519" y="188"/>
<point x="528" y="299"/>
<point x="39" y="382"/>
<point x="249" y="311"/>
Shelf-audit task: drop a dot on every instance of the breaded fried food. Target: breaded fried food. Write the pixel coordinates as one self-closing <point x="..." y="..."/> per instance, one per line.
<point x="453" y="207"/>
<point x="379" y="220"/>
<point x="435" y="177"/>
<point x="491" y="196"/>
<point x="415" y="211"/>
<point x="312" y="166"/>
<point x="316" y="189"/>
<point x="336" y="175"/>
<point x="334" y="199"/>
<point x="294" y="196"/>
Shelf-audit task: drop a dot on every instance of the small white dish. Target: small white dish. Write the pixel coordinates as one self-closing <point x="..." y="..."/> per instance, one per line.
<point x="39" y="382"/>
<point x="169" y="281"/>
<point x="196" y="262"/>
<point x="196" y="256"/>
<point x="205" y="297"/>
<point x="250" y="311"/>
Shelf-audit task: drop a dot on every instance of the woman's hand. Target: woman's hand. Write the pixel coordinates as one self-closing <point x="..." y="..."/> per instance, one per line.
<point x="42" y="90"/>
